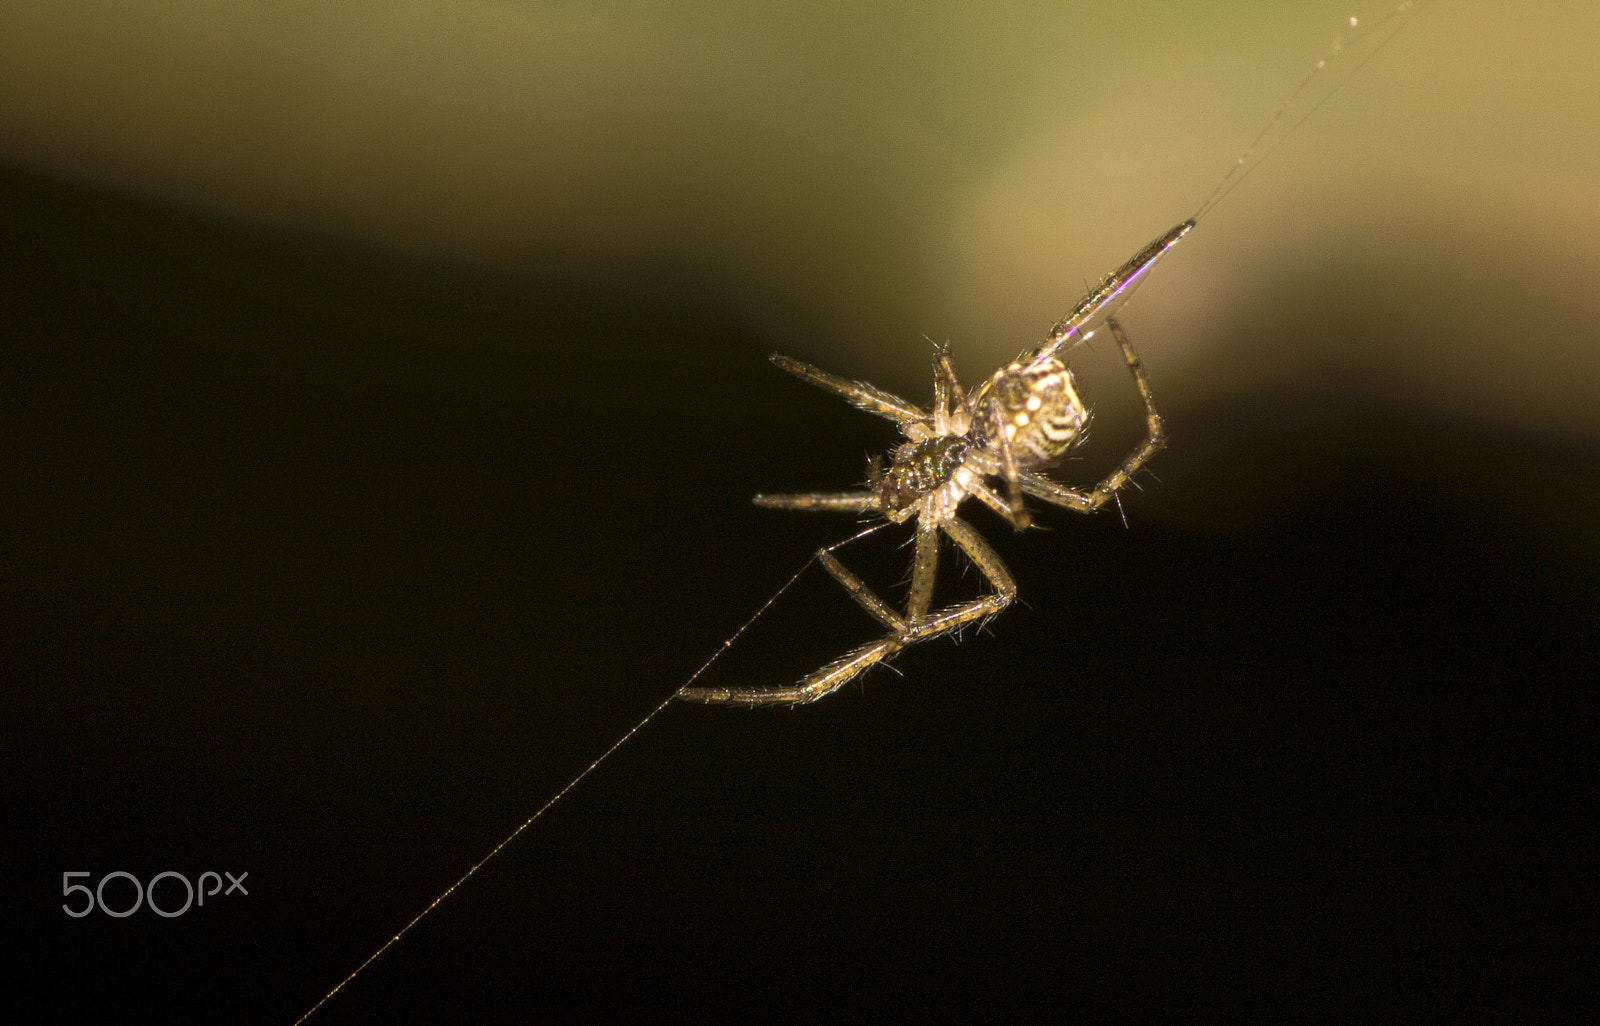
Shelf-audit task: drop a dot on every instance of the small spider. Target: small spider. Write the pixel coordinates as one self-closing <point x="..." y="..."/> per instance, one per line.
<point x="1025" y="418"/>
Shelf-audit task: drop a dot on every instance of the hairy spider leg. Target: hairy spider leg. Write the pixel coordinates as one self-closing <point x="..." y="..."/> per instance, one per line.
<point x="1014" y="511"/>
<point x="863" y="395"/>
<point x="1113" y="289"/>
<point x="994" y="571"/>
<point x="827" y="502"/>
<point x="949" y="398"/>
<point x="824" y="682"/>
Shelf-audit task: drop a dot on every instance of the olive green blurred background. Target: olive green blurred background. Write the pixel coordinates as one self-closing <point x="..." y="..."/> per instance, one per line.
<point x="849" y="179"/>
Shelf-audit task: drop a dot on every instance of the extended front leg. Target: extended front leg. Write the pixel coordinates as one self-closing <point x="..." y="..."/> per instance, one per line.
<point x="863" y="395"/>
<point x="820" y="502"/>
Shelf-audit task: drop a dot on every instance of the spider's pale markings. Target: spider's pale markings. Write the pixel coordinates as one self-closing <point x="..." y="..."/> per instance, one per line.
<point x="1026" y="415"/>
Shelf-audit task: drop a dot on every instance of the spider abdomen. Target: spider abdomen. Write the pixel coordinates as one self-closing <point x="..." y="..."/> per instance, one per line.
<point x="1035" y="409"/>
<point x="917" y="468"/>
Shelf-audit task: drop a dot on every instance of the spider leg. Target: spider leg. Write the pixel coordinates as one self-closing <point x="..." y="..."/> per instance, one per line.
<point x="989" y="497"/>
<point x="1118" y="284"/>
<point x="1014" y="511"/>
<point x="993" y="569"/>
<point x="948" y="395"/>
<point x="842" y="502"/>
<point x="924" y="569"/>
<point x="864" y="596"/>
<point x="826" y="680"/>
<point x="860" y="394"/>
<point x="1042" y="487"/>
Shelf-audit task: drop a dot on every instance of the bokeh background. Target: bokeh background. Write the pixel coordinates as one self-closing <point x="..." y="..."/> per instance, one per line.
<point x="382" y="386"/>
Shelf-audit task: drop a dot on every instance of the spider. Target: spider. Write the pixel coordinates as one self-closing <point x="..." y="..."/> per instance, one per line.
<point x="1025" y="418"/>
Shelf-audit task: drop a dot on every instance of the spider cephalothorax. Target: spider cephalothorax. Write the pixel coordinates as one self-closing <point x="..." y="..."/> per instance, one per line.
<point x="916" y="470"/>
<point x="1020" y="421"/>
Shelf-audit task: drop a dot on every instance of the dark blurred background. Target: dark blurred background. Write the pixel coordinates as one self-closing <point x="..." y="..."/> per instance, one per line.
<point x="381" y="395"/>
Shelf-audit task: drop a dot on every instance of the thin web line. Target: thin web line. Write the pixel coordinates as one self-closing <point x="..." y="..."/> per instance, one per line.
<point x="1357" y="49"/>
<point x="624" y="739"/>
